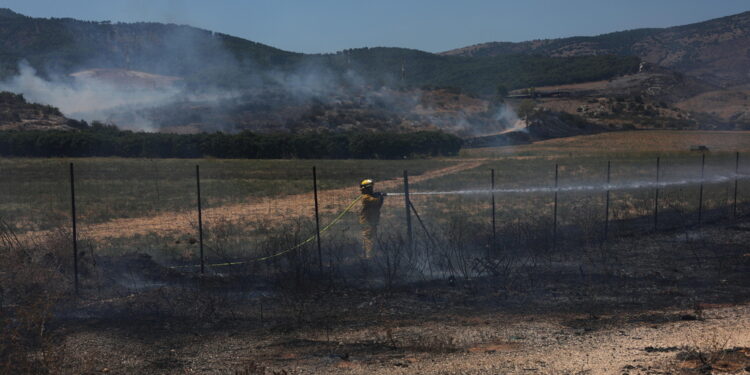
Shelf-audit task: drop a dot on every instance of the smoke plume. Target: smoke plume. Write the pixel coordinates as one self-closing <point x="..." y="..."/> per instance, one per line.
<point x="178" y="78"/>
<point x="88" y="98"/>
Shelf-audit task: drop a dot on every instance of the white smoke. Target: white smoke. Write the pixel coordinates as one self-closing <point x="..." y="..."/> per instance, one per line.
<point x="509" y="119"/>
<point x="88" y="98"/>
<point x="282" y="93"/>
<point x="500" y="120"/>
<point x="264" y="95"/>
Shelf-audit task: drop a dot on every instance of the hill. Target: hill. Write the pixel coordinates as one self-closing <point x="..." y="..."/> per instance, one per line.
<point x="65" y="45"/>
<point x="716" y="50"/>
<point x="653" y="98"/>
<point x="18" y="114"/>
<point x="180" y="79"/>
<point x="201" y="57"/>
<point x="482" y="75"/>
<point x="127" y="78"/>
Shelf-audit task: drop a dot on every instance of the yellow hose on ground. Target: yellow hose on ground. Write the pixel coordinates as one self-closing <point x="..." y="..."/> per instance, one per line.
<point x="297" y="246"/>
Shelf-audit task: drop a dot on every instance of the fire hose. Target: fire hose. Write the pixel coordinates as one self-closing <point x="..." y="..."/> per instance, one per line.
<point x="295" y="247"/>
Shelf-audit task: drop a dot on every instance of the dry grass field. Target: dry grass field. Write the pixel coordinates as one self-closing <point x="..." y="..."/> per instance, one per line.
<point x="629" y="143"/>
<point x="728" y="104"/>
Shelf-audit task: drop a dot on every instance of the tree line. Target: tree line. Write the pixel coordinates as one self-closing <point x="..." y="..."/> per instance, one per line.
<point x="480" y="75"/>
<point x="102" y="140"/>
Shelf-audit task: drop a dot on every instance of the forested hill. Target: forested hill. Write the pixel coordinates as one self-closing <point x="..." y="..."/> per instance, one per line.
<point x="483" y="75"/>
<point x="64" y="46"/>
<point x="716" y="50"/>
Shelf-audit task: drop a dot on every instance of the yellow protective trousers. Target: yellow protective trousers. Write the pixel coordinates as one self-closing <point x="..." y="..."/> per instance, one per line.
<point x="369" y="235"/>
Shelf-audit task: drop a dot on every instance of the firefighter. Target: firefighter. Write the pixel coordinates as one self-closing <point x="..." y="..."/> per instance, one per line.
<point x="369" y="216"/>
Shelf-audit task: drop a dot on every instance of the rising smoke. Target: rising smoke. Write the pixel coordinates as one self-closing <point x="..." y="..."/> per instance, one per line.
<point x="88" y="98"/>
<point x="509" y="120"/>
<point x="113" y="88"/>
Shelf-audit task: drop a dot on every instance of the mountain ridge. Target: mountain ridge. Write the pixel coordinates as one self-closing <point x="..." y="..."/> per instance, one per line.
<point x="715" y="50"/>
<point x="64" y="46"/>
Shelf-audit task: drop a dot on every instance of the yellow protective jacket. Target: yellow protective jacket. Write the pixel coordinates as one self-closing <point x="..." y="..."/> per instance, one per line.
<point x="370" y="213"/>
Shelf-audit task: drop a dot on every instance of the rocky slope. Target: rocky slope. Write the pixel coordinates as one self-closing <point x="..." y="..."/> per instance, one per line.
<point x="17" y="114"/>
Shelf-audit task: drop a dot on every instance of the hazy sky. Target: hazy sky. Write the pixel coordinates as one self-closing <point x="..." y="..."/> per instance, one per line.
<point x="430" y="25"/>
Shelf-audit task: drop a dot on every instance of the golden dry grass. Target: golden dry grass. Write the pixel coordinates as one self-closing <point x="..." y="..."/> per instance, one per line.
<point x="631" y="142"/>
<point x="723" y="103"/>
<point x="286" y="206"/>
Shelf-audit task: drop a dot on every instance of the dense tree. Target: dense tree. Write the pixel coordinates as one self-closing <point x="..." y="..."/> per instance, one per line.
<point x="104" y="140"/>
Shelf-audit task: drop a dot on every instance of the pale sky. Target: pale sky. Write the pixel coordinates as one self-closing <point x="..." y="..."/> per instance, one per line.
<point x="314" y="26"/>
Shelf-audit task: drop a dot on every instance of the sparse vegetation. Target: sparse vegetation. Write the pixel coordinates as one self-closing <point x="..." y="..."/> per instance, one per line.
<point x="35" y="284"/>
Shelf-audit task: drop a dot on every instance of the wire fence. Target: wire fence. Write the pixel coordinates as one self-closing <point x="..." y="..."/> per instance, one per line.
<point x="493" y="207"/>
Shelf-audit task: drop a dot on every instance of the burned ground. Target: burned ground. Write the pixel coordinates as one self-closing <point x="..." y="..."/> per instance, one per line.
<point x="652" y="304"/>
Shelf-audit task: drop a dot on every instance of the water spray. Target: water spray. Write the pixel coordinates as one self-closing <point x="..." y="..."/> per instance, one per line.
<point x="592" y="187"/>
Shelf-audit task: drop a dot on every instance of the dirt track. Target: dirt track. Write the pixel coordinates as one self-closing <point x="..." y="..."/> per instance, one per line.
<point x="287" y="206"/>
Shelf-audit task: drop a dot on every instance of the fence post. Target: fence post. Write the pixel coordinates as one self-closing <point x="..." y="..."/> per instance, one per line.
<point x="606" y="202"/>
<point x="317" y="219"/>
<point x="656" y="197"/>
<point x="75" y="228"/>
<point x="408" y="212"/>
<point x="156" y="180"/>
<point x="700" y="195"/>
<point x="554" y="213"/>
<point x="736" y="177"/>
<point x="494" y="226"/>
<point x="200" y="215"/>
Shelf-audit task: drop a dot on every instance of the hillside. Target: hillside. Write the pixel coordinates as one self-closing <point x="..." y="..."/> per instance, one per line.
<point x="127" y="78"/>
<point x="180" y="79"/>
<point x="18" y="114"/>
<point x="66" y="45"/>
<point x="201" y="57"/>
<point x="653" y="98"/>
<point x="716" y="50"/>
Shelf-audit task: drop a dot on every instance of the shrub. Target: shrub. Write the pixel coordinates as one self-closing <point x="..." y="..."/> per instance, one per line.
<point x="33" y="283"/>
